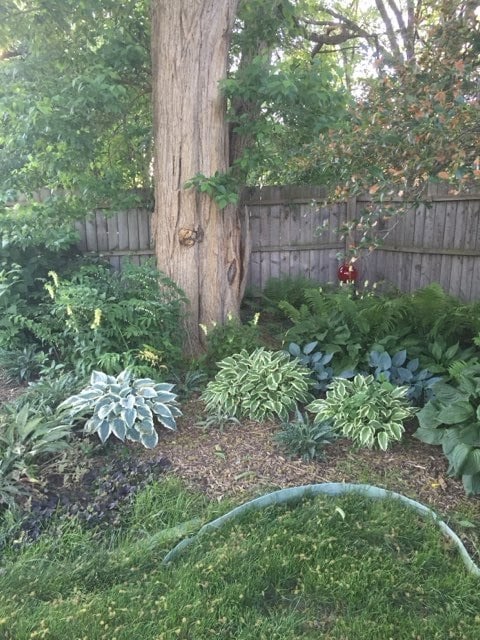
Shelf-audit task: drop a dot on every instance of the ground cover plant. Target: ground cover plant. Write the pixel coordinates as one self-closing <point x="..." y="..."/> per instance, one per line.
<point x="340" y="567"/>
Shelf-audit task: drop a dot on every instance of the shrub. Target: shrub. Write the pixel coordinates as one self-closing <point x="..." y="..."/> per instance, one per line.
<point x="114" y="320"/>
<point x="258" y="386"/>
<point x="365" y="410"/>
<point x="124" y="407"/>
<point x="452" y="419"/>
<point x="305" y="439"/>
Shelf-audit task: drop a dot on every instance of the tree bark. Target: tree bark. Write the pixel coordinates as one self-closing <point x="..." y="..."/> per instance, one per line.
<point x="200" y="247"/>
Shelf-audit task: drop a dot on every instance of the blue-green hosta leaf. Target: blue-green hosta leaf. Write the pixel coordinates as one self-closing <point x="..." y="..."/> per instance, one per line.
<point x="430" y="435"/>
<point x="142" y="382"/>
<point x="144" y="427"/>
<point x="100" y="378"/>
<point x="471" y="484"/>
<point x="104" y="430"/>
<point x="163" y="386"/>
<point x="89" y="395"/>
<point x="308" y="348"/>
<point x="161" y="409"/>
<point x="457" y="412"/>
<point x="399" y="358"/>
<point x="119" y="428"/>
<point x="104" y="410"/>
<point x="168" y="422"/>
<point x="413" y="365"/>
<point x="128" y="402"/>
<point x="129" y="415"/>
<point x="471" y="465"/>
<point x="458" y="457"/>
<point x="446" y="394"/>
<point x="165" y="396"/>
<point x="294" y="349"/>
<point x="144" y="412"/>
<point x="147" y="392"/>
<point x="428" y="416"/>
<point x="124" y="377"/>
<point x="149" y="440"/>
<point x="133" y="434"/>
<point x="92" y="424"/>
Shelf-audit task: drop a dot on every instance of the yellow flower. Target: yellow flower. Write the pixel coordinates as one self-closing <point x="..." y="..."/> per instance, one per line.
<point x="54" y="277"/>
<point x="96" y="319"/>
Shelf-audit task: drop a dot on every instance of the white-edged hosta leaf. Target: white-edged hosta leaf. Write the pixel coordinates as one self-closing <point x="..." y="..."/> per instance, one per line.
<point x="149" y="440"/>
<point x="119" y="428"/>
<point x="168" y="423"/>
<point x="129" y="415"/>
<point x="104" y="430"/>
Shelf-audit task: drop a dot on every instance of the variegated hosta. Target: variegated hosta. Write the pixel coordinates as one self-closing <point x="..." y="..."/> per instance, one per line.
<point x="366" y="410"/>
<point x="125" y="407"/>
<point x="257" y="386"/>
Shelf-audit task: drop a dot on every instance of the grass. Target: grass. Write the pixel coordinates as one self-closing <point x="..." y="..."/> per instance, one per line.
<point x="331" y="568"/>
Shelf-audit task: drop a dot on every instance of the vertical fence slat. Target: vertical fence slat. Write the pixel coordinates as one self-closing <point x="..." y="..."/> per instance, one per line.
<point x="436" y="244"/>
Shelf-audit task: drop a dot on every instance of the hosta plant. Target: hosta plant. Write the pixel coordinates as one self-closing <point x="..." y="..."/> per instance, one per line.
<point x="258" y="386"/>
<point x="125" y="407"/>
<point x="316" y="361"/>
<point x="366" y="410"/>
<point x="452" y="419"/>
<point x="304" y="438"/>
<point x="400" y="371"/>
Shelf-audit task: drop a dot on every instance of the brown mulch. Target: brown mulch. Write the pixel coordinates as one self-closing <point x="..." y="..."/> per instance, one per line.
<point x="9" y="390"/>
<point x="244" y="460"/>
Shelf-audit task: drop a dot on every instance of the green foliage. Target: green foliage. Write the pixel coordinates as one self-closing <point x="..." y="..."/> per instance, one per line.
<point x="124" y="407"/>
<point x="400" y="371"/>
<point x="75" y="100"/>
<point x="114" y="319"/>
<point x="452" y="419"/>
<point x="290" y="289"/>
<point x="223" y="340"/>
<point x="24" y="364"/>
<point x="365" y="410"/>
<point x="316" y="361"/>
<point x="44" y="395"/>
<point x="25" y="439"/>
<point x="305" y="439"/>
<point x="439" y="356"/>
<point x="257" y="386"/>
<point x="221" y="187"/>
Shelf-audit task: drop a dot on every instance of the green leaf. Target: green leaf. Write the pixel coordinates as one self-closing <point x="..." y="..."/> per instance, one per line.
<point x="104" y="430"/>
<point x="149" y="440"/>
<point x="471" y="465"/>
<point x="458" y="457"/>
<point x="383" y="440"/>
<point x="456" y="413"/>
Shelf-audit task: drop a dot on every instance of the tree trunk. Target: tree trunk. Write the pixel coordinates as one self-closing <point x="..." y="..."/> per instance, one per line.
<point x="200" y="247"/>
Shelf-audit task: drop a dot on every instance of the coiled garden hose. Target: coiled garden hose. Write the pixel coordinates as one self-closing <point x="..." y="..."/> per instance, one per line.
<point x="329" y="489"/>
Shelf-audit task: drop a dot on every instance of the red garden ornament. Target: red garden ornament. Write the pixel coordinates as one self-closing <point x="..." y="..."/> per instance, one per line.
<point x="347" y="272"/>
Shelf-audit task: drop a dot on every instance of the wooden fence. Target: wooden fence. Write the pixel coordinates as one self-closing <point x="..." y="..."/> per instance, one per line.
<point x="437" y="242"/>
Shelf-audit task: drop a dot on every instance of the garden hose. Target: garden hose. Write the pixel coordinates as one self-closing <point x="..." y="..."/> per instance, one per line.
<point x="329" y="489"/>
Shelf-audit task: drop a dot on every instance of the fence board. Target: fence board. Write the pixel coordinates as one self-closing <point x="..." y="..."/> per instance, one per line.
<point x="435" y="243"/>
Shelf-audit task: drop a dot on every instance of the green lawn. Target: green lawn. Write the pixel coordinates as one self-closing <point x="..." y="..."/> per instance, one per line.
<point x="333" y="568"/>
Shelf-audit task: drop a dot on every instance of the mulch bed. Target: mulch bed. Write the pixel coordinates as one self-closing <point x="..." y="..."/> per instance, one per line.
<point x="244" y="459"/>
